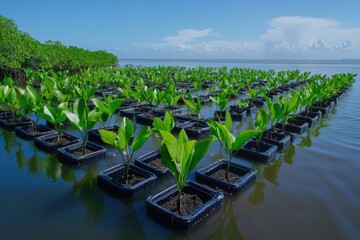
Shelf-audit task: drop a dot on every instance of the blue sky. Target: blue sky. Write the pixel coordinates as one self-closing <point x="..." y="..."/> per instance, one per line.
<point x="255" y="29"/>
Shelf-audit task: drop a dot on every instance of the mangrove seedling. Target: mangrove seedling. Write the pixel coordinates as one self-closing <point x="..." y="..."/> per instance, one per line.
<point x="230" y="143"/>
<point x="122" y="139"/>
<point x="181" y="156"/>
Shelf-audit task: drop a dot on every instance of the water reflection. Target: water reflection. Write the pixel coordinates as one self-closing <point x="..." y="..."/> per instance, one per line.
<point x="130" y="219"/>
<point x="10" y="140"/>
<point x="87" y="191"/>
<point x="225" y="227"/>
<point x="270" y="172"/>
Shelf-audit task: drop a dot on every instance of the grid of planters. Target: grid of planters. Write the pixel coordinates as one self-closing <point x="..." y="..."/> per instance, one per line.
<point x="285" y="104"/>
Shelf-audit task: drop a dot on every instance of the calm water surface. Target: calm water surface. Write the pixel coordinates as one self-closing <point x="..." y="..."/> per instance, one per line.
<point x="311" y="191"/>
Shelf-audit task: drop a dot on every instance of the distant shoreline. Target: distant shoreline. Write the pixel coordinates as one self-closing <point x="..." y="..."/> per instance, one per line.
<point x="282" y="61"/>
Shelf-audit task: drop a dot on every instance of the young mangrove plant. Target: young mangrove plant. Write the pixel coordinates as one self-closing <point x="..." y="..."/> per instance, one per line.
<point x="180" y="156"/>
<point x="82" y="119"/>
<point x="230" y="143"/>
<point x="122" y="139"/>
<point x="261" y="122"/>
<point x="107" y="108"/>
<point x="195" y="107"/>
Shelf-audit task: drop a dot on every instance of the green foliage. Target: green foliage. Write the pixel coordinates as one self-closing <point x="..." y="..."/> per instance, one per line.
<point x="164" y="125"/>
<point x="82" y="119"/>
<point x="261" y="122"/>
<point x="181" y="155"/>
<point x="107" y="107"/>
<point x="194" y="106"/>
<point x="230" y="143"/>
<point x="121" y="140"/>
<point x="19" y="50"/>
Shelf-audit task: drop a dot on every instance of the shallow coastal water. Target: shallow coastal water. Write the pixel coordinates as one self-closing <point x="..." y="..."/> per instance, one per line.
<point x="311" y="191"/>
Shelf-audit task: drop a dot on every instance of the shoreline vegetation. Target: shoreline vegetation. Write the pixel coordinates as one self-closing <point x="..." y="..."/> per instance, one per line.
<point x="19" y="51"/>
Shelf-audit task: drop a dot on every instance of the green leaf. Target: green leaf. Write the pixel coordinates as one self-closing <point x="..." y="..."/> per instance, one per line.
<point x="126" y="129"/>
<point x="183" y="138"/>
<point x="48" y="115"/>
<point x="166" y="159"/>
<point x="228" y="121"/>
<point x="200" y="149"/>
<point x="167" y="137"/>
<point x="100" y="105"/>
<point x="243" y="137"/>
<point x="108" y="137"/>
<point x="169" y="121"/>
<point x="141" y="138"/>
<point x="74" y="119"/>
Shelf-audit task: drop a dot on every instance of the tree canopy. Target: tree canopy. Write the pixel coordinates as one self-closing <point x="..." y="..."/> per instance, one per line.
<point x="18" y="51"/>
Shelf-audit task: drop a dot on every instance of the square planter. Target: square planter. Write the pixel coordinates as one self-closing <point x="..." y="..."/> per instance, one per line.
<point x="266" y="152"/>
<point x="94" y="134"/>
<point x="246" y="176"/>
<point x="211" y="201"/>
<point x="280" y="140"/>
<point x="9" y="124"/>
<point x="68" y="154"/>
<point x="236" y="114"/>
<point x="145" y="162"/>
<point x="312" y="118"/>
<point x="324" y="109"/>
<point x="26" y="131"/>
<point x="294" y="126"/>
<point x="48" y="142"/>
<point x="111" y="180"/>
<point x="192" y="130"/>
<point x="147" y="118"/>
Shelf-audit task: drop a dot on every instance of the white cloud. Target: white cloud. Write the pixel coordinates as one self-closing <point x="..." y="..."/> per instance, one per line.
<point x="186" y="36"/>
<point x="286" y="37"/>
<point x="310" y="36"/>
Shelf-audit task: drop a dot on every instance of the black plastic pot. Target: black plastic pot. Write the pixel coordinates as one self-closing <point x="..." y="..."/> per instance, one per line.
<point x="192" y="130"/>
<point x="5" y="114"/>
<point x="266" y="152"/>
<point x="109" y="180"/>
<point x="312" y="118"/>
<point x="147" y="118"/>
<point x="294" y="126"/>
<point x="45" y="142"/>
<point x="144" y="160"/>
<point x="324" y="109"/>
<point x="94" y="134"/>
<point x="67" y="156"/>
<point x="280" y="140"/>
<point x="129" y="112"/>
<point x="235" y="113"/>
<point x="211" y="201"/>
<point x="25" y="131"/>
<point x="9" y="124"/>
<point x="247" y="176"/>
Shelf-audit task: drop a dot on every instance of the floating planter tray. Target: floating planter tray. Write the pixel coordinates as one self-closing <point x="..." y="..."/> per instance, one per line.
<point x="94" y="134"/>
<point x="111" y="180"/>
<point x="47" y="142"/>
<point x="9" y="124"/>
<point x="191" y="129"/>
<point x="211" y="201"/>
<point x="312" y="118"/>
<point x="147" y="118"/>
<point x="67" y="154"/>
<point x="25" y="131"/>
<point x="144" y="162"/>
<point x="266" y="153"/>
<point x="280" y="140"/>
<point x="246" y="175"/>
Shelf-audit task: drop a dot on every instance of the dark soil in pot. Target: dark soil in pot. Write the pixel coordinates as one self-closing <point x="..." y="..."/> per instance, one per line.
<point x="189" y="202"/>
<point x="221" y="175"/>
